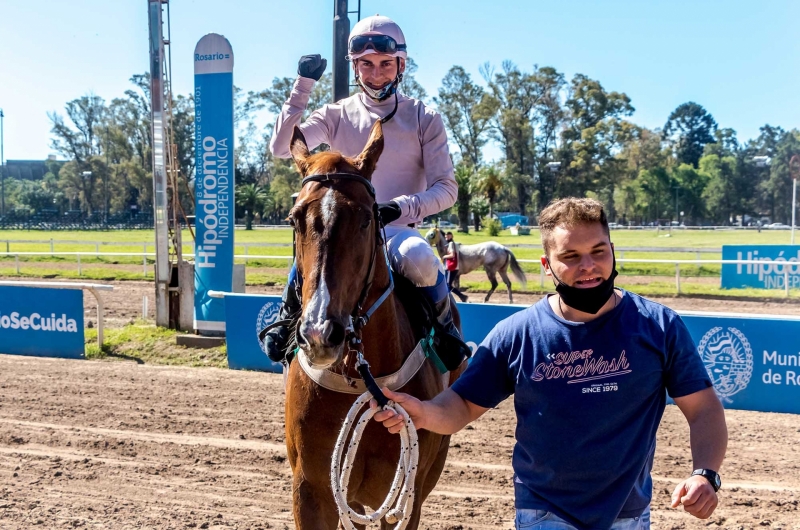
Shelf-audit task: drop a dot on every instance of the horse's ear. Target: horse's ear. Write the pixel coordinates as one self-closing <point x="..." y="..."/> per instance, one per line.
<point x="299" y="149"/>
<point x="368" y="159"/>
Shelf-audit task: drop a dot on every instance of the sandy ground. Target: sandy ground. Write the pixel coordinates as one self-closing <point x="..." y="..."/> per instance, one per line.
<point x="117" y="445"/>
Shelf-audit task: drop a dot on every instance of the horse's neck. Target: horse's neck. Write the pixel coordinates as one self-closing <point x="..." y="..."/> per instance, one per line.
<point x="387" y="338"/>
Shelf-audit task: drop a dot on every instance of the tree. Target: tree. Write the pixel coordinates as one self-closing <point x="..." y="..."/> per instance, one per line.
<point x="466" y="110"/>
<point x="690" y="127"/>
<point x="722" y="200"/>
<point x="490" y="180"/>
<point x="529" y="113"/>
<point x="78" y="140"/>
<point x="410" y="86"/>
<point x="595" y="136"/>
<point x="252" y="199"/>
<point x="464" y="174"/>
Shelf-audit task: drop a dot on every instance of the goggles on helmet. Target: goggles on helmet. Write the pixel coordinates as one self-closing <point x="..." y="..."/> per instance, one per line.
<point x="379" y="43"/>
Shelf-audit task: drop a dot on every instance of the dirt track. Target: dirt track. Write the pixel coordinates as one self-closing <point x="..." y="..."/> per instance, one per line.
<point x="119" y="445"/>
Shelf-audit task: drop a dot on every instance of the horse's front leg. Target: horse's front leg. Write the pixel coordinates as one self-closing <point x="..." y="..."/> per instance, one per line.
<point x="313" y="506"/>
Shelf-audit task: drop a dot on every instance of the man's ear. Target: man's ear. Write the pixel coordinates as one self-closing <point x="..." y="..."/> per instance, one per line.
<point x="368" y="159"/>
<point x="546" y="265"/>
<point x="299" y="149"/>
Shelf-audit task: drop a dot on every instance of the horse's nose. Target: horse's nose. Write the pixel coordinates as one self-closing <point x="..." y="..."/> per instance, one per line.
<point x="329" y="335"/>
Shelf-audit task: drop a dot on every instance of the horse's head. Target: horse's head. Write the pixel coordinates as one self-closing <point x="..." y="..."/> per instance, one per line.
<point x="337" y="240"/>
<point x="435" y="238"/>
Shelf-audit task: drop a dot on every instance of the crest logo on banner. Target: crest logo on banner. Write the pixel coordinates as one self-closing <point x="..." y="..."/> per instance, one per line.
<point x="267" y="315"/>
<point x="728" y="358"/>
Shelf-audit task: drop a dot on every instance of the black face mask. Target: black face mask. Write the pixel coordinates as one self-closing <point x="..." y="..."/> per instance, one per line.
<point x="589" y="300"/>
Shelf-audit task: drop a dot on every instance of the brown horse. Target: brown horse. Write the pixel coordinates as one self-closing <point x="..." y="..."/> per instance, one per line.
<point x="342" y="262"/>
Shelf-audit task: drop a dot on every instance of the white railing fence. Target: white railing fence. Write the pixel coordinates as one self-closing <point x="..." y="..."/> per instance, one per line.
<point x="775" y="264"/>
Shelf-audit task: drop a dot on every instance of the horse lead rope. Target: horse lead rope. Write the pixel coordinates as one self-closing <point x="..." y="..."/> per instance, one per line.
<point x="406" y="469"/>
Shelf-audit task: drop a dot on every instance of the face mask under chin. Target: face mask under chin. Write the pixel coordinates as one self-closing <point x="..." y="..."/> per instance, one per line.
<point x="589" y="300"/>
<point x="379" y="94"/>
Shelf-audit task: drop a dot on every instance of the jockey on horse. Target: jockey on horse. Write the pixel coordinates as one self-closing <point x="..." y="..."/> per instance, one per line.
<point x="414" y="178"/>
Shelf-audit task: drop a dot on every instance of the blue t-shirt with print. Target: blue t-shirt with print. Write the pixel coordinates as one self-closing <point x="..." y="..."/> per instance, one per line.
<point x="589" y="398"/>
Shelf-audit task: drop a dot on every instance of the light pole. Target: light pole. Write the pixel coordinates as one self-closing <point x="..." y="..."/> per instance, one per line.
<point x="85" y="174"/>
<point x="2" y="169"/>
<point x="794" y="162"/>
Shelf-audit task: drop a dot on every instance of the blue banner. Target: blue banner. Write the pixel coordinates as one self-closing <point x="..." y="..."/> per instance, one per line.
<point x="762" y="275"/>
<point x="245" y="316"/>
<point x="41" y="322"/>
<point x="754" y="361"/>
<point x="214" y="178"/>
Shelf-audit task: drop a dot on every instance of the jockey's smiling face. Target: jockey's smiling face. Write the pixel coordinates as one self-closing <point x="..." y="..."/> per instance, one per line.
<point x="378" y="70"/>
<point x="581" y="256"/>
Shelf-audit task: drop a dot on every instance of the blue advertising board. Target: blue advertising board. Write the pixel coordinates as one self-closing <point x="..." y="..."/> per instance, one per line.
<point x="42" y="322"/>
<point x="762" y="275"/>
<point x="214" y="178"/>
<point x="753" y="360"/>
<point x="245" y="316"/>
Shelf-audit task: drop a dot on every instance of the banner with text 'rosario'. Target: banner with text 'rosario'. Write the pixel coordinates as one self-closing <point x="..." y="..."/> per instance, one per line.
<point x="214" y="178"/>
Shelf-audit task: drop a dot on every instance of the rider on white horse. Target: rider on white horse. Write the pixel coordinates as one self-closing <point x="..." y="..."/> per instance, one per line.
<point x="413" y="179"/>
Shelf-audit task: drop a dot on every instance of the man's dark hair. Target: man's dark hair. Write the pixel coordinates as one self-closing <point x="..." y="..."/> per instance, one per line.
<point x="449" y="234"/>
<point x="570" y="212"/>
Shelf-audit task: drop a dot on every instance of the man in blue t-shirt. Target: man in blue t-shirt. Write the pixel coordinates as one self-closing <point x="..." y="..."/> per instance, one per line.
<point x="590" y="368"/>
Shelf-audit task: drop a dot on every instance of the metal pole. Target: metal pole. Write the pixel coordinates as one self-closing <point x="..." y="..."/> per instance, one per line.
<point x="2" y="169"/>
<point x="794" y="205"/>
<point x="341" y="31"/>
<point x="794" y="162"/>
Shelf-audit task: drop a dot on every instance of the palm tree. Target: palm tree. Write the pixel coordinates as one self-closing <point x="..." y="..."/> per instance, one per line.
<point x="252" y="198"/>
<point x="489" y="181"/>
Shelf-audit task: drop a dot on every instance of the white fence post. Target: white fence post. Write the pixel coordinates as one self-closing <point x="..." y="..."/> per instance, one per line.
<point x="541" y="274"/>
<point x="786" y="278"/>
<point x="51" y="247"/>
<point x="80" y="272"/>
<point x="144" y="265"/>
<point x="621" y="256"/>
<point x="97" y="250"/>
<point x="16" y="261"/>
<point x="678" y="277"/>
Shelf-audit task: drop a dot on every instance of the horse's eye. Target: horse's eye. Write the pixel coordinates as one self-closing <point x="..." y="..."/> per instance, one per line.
<point x="365" y="223"/>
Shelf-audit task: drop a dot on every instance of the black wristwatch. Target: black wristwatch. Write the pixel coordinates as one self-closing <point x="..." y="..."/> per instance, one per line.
<point x="711" y="476"/>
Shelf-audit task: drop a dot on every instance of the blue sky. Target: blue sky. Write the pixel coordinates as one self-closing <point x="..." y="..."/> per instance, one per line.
<point x="739" y="59"/>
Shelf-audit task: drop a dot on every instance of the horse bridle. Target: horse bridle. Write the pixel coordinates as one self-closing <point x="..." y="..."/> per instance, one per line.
<point x="358" y="318"/>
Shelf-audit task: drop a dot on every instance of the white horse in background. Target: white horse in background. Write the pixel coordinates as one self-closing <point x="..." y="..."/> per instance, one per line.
<point x="492" y="256"/>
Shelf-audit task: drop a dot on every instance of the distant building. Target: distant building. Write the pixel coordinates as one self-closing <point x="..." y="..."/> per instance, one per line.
<point x="28" y="169"/>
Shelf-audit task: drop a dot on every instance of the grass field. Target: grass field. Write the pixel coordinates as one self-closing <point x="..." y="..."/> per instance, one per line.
<point x="277" y="242"/>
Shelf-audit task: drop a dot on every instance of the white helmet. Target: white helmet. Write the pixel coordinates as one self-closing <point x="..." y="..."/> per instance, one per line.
<point x="376" y="34"/>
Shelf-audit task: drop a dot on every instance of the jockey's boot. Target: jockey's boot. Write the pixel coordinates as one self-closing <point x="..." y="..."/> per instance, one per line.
<point x="279" y="336"/>
<point x="447" y="339"/>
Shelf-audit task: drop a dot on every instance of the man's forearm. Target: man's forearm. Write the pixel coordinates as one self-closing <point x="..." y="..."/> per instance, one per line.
<point x="709" y="438"/>
<point x="448" y="413"/>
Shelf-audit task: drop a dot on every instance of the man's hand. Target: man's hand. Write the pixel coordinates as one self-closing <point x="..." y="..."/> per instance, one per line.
<point x="389" y="212"/>
<point x="393" y="421"/>
<point x="697" y="496"/>
<point x="311" y="66"/>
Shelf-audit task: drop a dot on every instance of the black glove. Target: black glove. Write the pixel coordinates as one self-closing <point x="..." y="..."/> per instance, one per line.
<point x="388" y="212"/>
<point x="311" y="66"/>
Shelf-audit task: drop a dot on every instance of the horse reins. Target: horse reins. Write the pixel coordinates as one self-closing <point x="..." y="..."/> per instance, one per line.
<point x="401" y="493"/>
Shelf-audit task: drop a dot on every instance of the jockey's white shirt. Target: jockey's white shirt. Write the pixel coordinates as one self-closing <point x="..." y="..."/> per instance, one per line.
<point x="414" y="169"/>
